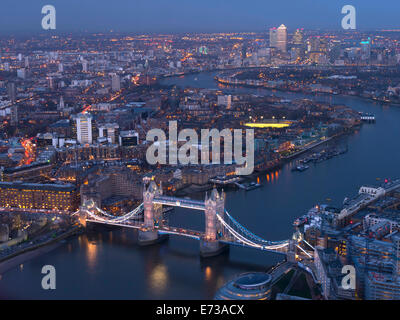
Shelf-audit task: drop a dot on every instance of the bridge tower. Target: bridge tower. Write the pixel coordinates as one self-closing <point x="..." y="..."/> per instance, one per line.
<point x="152" y="214"/>
<point x="209" y="244"/>
<point x="87" y="205"/>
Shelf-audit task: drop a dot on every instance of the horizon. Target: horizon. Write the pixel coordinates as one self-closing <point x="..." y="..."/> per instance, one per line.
<point x="206" y="17"/>
<point x="51" y="33"/>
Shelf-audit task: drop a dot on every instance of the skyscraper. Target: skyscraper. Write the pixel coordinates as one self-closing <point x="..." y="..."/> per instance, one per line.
<point x="84" y="66"/>
<point x="11" y="92"/>
<point x="272" y="37"/>
<point x="27" y="62"/>
<point x="298" y="37"/>
<point x="14" y="115"/>
<point x="281" y="38"/>
<point x="366" y="49"/>
<point x="84" y="128"/>
<point x="61" y="105"/>
<point x="115" y="82"/>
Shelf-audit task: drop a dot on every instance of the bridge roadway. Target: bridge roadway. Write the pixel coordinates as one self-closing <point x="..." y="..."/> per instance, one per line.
<point x="178" y="202"/>
<point x="162" y="230"/>
<point x="233" y="242"/>
<point x="194" y="234"/>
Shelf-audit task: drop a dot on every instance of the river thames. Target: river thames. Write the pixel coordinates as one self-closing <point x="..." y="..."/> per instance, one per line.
<point x="108" y="264"/>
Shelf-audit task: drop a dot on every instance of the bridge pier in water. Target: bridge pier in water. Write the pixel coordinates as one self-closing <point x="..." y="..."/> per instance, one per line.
<point x="149" y="237"/>
<point x="209" y="244"/>
<point x="212" y="248"/>
<point x="152" y="216"/>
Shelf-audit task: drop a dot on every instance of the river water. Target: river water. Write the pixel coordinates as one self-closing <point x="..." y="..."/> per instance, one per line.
<point x="108" y="264"/>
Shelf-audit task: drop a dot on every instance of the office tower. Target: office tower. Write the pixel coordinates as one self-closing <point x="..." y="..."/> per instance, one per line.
<point x="60" y="67"/>
<point x="21" y="73"/>
<point x="281" y="38"/>
<point x="298" y="37"/>
<point x="61" y="104"/>
<point x="27" y="62"/>
<point x="203" y="50"/>
<point x="51" y="82"/>
<point x="11" y="92"/>
<point x="244" y="51"/>
<point x="314" y="44"/>
<point x="375" y="260"/>
<point x="14" y="115"/>
<point x="335" y="51"/>
<point x="84" y="66"/>
<point x="366" y="49"/>
<point x="128" y="138"/>
<point x="84" y="128"/>
<point x="273" y="37"/>
<point x="115" y="83"/>
<point x="109" y="131"/>
<point x="225" y="100"/>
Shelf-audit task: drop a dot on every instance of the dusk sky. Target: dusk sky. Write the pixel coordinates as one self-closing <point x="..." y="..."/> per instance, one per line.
<point x="194" y="16"/>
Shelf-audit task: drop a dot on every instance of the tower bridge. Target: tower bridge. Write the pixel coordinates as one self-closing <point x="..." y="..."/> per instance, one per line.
<point x="221" y="229"/>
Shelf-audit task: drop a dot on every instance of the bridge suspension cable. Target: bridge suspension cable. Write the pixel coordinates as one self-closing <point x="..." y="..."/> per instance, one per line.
<point x="252" y="236"/>
<point x="129" y="215"/>
<point x="238" y="235"/>
<point x="111" y="218"/>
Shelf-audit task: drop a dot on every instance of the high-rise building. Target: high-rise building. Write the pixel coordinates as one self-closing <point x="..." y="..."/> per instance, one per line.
<point x="27" y="62"/>
<point x="115" y="82"/>
<point x="84" y="128"/>
<point x="224" y="100"/>
<point x="366" y="49"/>
<point x="11" y="91"/>
<point x="84" y="66"/>
<point x="14" y="115"/>
<point x="51" y="82"/>
<point x="298" y="37"/>
<point x="272" y="37"/>
<point x="281" y="38"/>
<point x="109" y="131"/>
<point x="314" y="44"/>
<point x="61" y="105"/>
<point x="21" y="73"/>
<point x="128" y="138"/>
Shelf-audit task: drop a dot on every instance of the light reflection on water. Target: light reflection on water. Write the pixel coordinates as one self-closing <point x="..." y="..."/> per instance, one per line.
<point x="91" y="254"/>
<point x="158" y="279"/>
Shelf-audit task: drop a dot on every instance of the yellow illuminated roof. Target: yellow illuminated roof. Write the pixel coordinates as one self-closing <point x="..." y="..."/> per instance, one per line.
<point x="268" y="125"/>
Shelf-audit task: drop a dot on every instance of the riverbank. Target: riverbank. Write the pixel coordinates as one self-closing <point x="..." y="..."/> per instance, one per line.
<point x="314" y="145"/>
<point x="301" y="91"/>
<point x="25" y="254"/>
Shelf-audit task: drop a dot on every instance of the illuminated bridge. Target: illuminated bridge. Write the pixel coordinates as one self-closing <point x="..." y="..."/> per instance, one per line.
<point x="221" y="229"/>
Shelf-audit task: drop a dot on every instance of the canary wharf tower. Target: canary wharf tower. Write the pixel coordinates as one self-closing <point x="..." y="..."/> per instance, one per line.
<point x="281" y="38"/>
